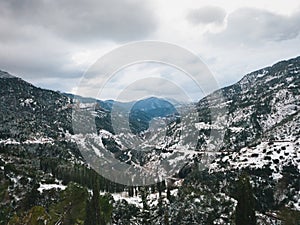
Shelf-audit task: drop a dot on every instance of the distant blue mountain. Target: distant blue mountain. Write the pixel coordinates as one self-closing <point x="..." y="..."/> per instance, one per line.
<point x="143" y="111"/>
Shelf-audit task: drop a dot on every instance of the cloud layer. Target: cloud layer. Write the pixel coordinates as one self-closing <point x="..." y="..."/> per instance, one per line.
<point x="53" y="43"/>
<point x="78" y="20"/>
<point x="249" y="26"/>
<point x="38" y="38"/>
<point x="207" y="15"/>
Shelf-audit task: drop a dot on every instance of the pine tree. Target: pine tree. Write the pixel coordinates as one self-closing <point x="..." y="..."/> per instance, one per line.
<point x="88" y="214"/>
<point x="31" y="197"/>
<point x="146" y="214"/>
<point x="130" y="191"/>
<point x="168" y="193"/>
<point x="93" y="215"/>
<point x="245" y="209"/>
<point x="166" y="216"/>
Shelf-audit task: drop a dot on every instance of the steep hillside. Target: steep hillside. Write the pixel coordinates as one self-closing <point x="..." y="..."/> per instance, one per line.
<point x="29" y="113"/>
<point x="242" y="137"/>
<point x="259" y="102"/>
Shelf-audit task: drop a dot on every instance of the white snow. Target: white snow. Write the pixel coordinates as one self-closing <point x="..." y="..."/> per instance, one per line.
<point x="36" y="140"/>
<point x="51" y="186"/>
<point x="236" y="129"/>
<point x="40" y="140"/>
<point x="274" y="155"/>
<point x="9" y="142"/>
<point x="202" y="125"/>
<point x="136" y="200"/>
<point x="152" y="198"/>
<point x="262" y="74"/>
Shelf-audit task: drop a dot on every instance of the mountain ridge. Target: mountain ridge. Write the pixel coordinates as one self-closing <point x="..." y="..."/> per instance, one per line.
<point x="39" y="150"/>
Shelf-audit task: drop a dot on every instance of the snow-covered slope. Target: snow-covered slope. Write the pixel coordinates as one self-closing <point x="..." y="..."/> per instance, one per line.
<point x="255" y="129"/>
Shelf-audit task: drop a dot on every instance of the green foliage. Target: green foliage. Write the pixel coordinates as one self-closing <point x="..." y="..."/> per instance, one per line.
<point x="125" y="213"/>
<point x="166" y="217"/>
<point x="71" y="209"/>
<point x="289" y="216"/>
<point x="93" y="209"/>
<point x="31" y="197"/>
<point x="4" y="198"/>
<point x="80" y="174"/>
<point x="37" y="215"/>
<point x="106" y="207"/>
<point x="98" y="209"/>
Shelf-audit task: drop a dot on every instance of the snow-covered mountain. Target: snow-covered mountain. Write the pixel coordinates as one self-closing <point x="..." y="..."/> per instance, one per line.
<point x="29" y="113"/>
<point x="259" y="102"/>
<point x="201" y="148"/>
<point x="259" y="108"/>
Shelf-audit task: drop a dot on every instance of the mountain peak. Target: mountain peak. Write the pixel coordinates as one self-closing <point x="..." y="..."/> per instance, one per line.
<point x="5" y="75"/>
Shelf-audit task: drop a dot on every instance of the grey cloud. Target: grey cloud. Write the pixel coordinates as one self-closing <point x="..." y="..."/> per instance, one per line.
<point x="36" y="59"/>
<point x="151" y="87"/>
<point x="77" y="20"/>
<point x="254" y="27"/>
<point x="207" y="15"/>
<point x="39" y="37"/>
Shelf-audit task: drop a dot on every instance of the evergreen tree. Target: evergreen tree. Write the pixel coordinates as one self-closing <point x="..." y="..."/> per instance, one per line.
<point x="88" y="214"/>
<point x="245" y="209"/>
<point x="146" y="213"/>
<point x="106" y="208"/>
<point x="168" y="193"/>
<point x="166" y="216"/>
<point x="96" y="206"/>
<point x="130" y="191"/>
<point x="93" y="216"/>
<point x="31" y="197"/>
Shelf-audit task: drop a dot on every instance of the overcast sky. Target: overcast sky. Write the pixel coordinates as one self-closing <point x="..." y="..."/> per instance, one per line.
<point x="52" y="43"/>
